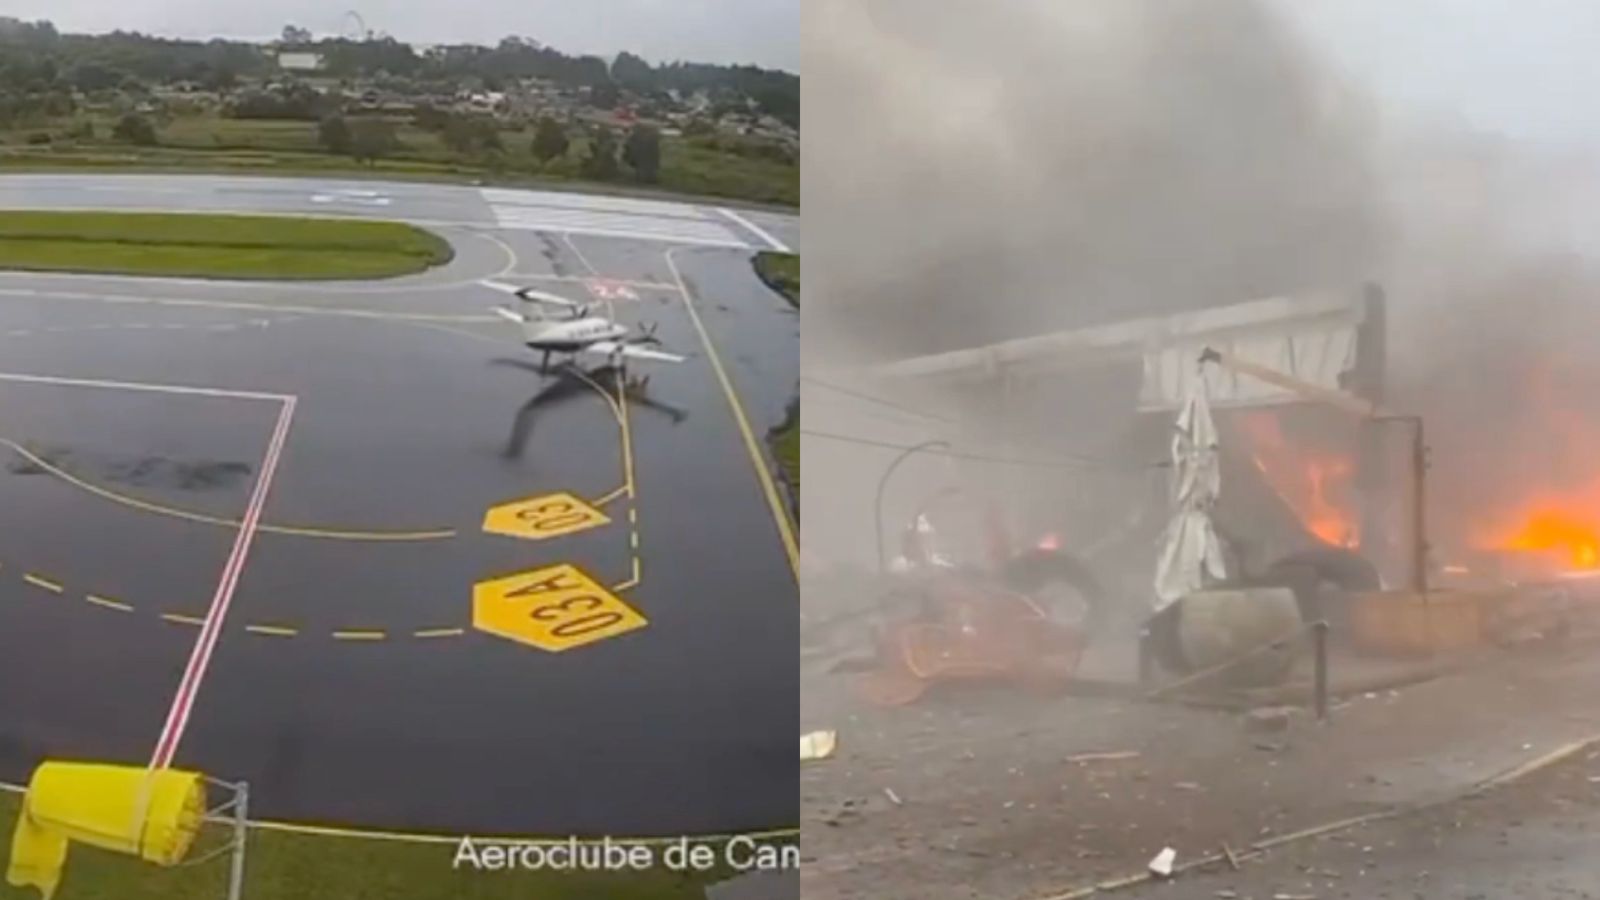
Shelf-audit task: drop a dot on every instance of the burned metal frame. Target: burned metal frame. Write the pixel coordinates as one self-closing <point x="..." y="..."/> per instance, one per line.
<point x="883" y="483"/>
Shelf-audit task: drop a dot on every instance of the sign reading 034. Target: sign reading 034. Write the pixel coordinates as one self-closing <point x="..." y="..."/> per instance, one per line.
<point x="537" y="518"/>
<point x="554" y="608"/>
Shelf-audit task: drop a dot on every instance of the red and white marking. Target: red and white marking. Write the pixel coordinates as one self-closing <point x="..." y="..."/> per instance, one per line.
<point x="609" y="291"/>
<point x="211" y="628"/>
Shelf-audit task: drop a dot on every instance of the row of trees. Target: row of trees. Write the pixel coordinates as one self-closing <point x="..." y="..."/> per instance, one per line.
<point x="369" y="138"/>
<point x="34" y="58"/>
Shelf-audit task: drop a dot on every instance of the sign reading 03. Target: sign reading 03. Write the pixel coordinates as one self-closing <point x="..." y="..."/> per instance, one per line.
<point x="554" y="608"/>
<point x="538" y="518"/>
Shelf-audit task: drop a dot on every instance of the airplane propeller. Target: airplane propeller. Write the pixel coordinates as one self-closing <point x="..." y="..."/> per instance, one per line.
<point x="647" y="334"/>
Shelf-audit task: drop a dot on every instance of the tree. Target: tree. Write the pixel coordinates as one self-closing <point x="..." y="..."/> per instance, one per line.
<point x="135" y="129"/>
<point x="632" y="72"/>
<point x="601" y="161"/>
<point x="549" y="140"/>
<point x="605" y="96"/>
<point x="293" y="34"/>
<point x="372" y="139"/>
<point x="470" y="134"/>
<point x="334" y="134"/>
<point x="91" y="76"/>
<point x="642" y="153"/>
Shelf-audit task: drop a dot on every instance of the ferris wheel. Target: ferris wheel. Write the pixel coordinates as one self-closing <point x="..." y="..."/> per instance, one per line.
<point x="352" y="27"/>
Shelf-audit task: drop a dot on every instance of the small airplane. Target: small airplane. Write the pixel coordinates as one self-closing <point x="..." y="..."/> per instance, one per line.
<point x="578" y="332"/>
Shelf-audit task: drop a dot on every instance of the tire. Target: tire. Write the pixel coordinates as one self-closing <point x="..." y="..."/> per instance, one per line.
<point x="1311" y="571"/>
<point x="1063" y="585"/>
<point x="1345" y="569"/>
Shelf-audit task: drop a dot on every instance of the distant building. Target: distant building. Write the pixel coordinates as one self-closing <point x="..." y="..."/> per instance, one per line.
<point x="299" y="61"/>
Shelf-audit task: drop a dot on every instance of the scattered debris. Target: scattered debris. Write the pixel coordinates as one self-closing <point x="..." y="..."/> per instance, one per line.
<point x="1268" y="719"/>
<point x="1233" y="861"/>
<point x="893" y="797"/>
<point x="1103" y="757"/>
<point x="1188" y="786"/>
<point x="1270" y="746"/>
<point x="818" y="745"/>
<point x="1225" y="895"/>
<point x="1162" y="864"/>
<point x="1294" y="897"/>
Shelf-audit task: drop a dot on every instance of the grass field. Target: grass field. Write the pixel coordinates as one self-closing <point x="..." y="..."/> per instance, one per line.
<point x="282" y="866"/>
<point x="786" y="446"/>
<point x="212" y="143"/>
<point x="215" y="246"/>
<point x="781" y="272"/>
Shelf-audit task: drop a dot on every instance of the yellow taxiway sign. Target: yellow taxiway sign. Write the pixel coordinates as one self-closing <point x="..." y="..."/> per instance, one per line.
<point x="537" y="518"/>
<point x="554" y="608"/>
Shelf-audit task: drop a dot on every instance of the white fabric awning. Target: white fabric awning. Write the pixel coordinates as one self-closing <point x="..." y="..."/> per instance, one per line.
<point x="1191" y="553"/>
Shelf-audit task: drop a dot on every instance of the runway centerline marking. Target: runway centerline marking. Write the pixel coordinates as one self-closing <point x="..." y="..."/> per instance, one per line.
<point x="40" y="581"/>
<point x="780" y="513"/>
<point x="272" y="630"/>
<point x="361" y="634"/>
<point x="108" y="603"/>
<point x="211" y="629"/>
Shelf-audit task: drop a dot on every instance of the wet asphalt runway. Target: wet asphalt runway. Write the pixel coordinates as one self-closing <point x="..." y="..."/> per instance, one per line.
<point x="351" y="684"/>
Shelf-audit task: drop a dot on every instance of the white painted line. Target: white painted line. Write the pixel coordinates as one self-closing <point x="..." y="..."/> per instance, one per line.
<point x="757" y="230"/>
<point x="639" y="236"/>
<point x="149" y="387"/>
<point x="211" y="630"/>
<point x="349" y="312"/>
<point x="567" y="236"/>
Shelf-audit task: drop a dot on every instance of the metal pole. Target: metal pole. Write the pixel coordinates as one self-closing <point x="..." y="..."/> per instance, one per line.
<point x="1419" y="510"/>
<point x="1319" y="644"/>
<point x="1147" y="663"/>
<point x="883" y="482"/>
<point x="241" y="816"/>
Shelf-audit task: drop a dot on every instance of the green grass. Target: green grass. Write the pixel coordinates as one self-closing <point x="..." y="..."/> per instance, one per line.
<point x="781" y="272"/>
<point x="212" y="143"/>
<point x="215" y="246"/>
<point x="282" y="866"/>
<point x="785" y="441"/>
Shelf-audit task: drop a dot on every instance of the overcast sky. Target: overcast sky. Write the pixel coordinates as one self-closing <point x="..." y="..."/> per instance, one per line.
<point x="763" y="32"/>
<point x="1528" y="69"/>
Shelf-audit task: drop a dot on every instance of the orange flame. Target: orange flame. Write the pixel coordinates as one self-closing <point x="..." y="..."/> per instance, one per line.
<point x="1555" y="531"/>
<point x="1315" y="484"/>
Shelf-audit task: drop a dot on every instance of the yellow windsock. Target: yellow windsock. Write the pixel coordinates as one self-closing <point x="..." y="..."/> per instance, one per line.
<point x="150" y="813"/>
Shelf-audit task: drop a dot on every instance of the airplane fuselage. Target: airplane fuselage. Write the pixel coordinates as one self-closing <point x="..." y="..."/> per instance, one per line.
<point x="570" y="337"/>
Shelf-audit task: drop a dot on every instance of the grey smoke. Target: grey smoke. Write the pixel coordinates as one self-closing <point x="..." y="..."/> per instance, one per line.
<point x="1027" y="164"/>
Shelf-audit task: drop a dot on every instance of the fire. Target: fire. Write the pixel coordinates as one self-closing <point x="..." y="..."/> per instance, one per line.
<point x="1550" y="530"/>
<point x="1316" y="484"/>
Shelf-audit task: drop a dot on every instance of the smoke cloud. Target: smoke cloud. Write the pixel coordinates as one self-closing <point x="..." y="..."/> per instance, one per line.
<point x="1025" y="164"/>
<point x="1005" y="168"/>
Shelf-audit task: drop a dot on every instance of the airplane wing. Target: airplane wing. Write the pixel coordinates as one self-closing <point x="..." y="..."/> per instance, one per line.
<point x="632" y="351"/>
<point x="528" y="293"/>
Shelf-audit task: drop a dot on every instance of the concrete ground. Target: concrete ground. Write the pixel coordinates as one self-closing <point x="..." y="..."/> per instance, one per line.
<point x="1000" y="795"/>
<point x="1534" y="839"/>
<point x="351" y="678"/>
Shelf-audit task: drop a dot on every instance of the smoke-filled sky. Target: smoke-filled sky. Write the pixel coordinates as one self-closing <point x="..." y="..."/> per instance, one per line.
<point x="762" y="32"/>
<point x="1523" y="69"/>
<point x="1019" y="166"/>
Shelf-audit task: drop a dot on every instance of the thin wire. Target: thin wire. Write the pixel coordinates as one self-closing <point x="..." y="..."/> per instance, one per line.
<point x="851" y="392"/>
<point x="1065" y="462"/>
